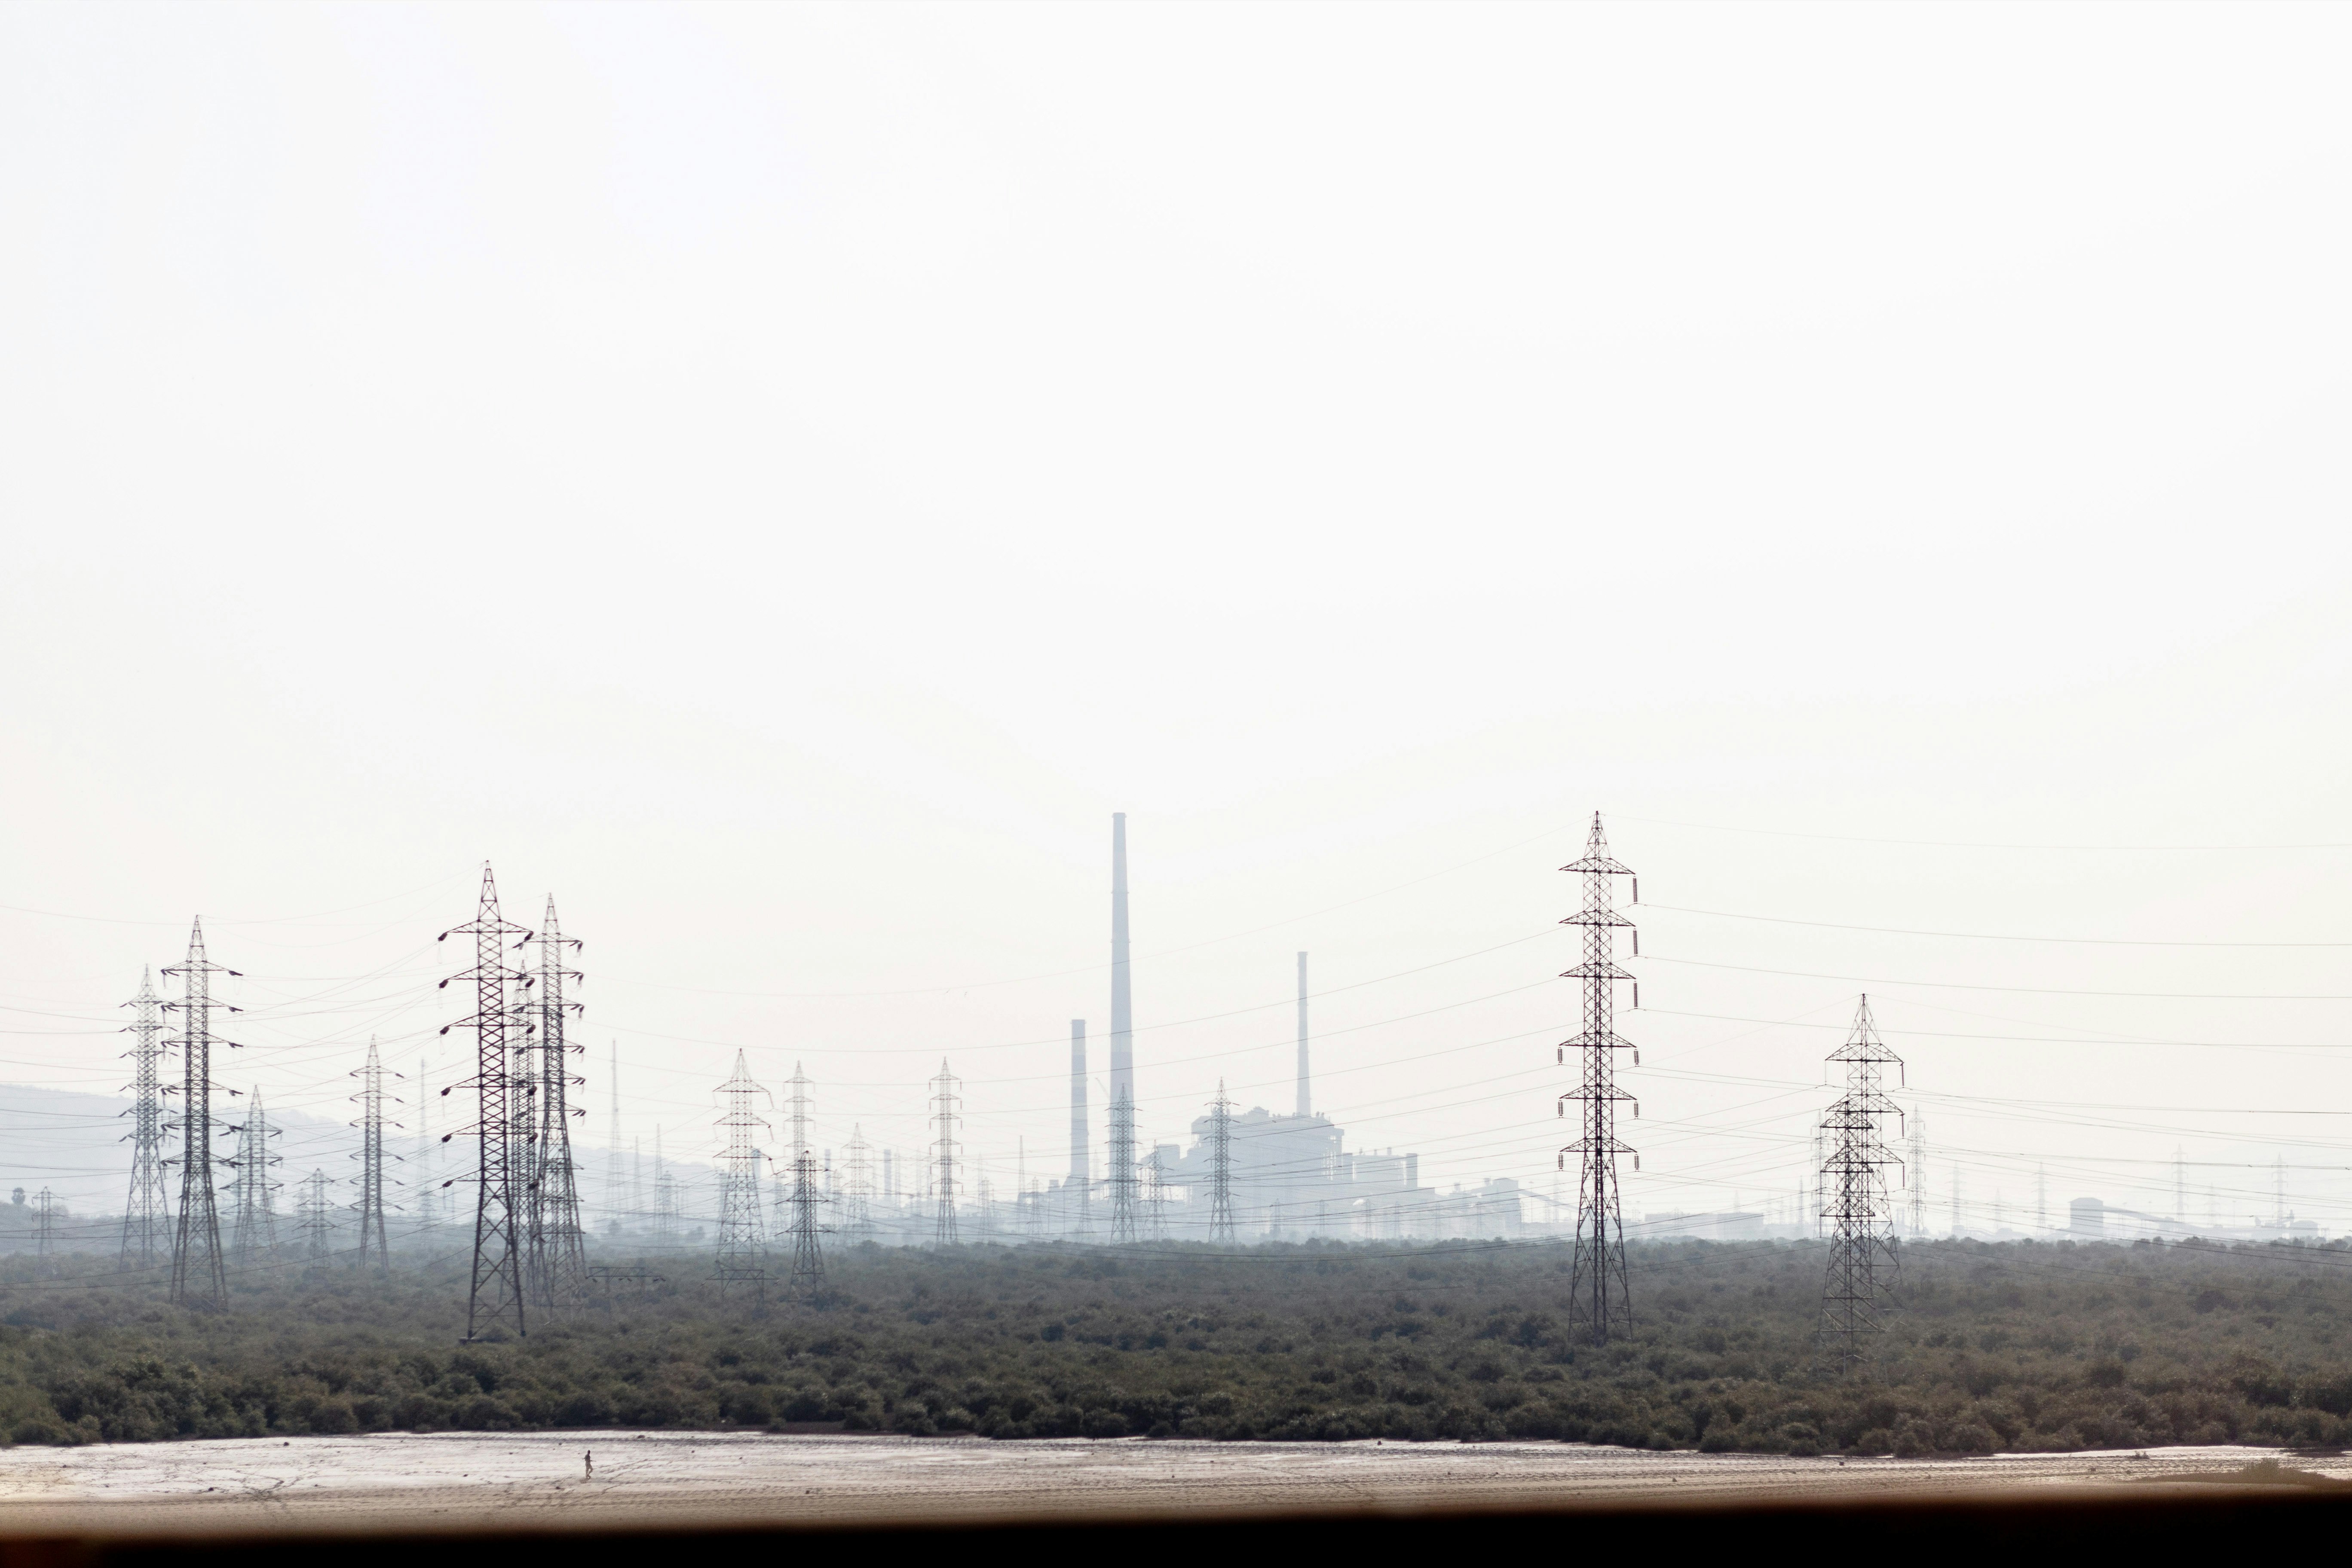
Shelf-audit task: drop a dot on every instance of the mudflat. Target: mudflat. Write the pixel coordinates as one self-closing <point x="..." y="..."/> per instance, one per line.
<point x="544" y="1481"/>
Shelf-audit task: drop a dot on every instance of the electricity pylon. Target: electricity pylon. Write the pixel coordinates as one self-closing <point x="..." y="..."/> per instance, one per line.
<point x="199" y="1274"/>
<point x="557" y="1252"/>
<point x="314" y="1222"/>
<point x="253" y="1229"/>
<point x="1862" y="1256"/>
<point x="1599" y="1299"/>
<point x="944" y="1101"/>
<point x="1122" y="1166"/>
<point x="1221" y="1167"/>
<point x="145" y="1228"/>
<point x="45" y="1226"/>
<point x="742" y="1237"/>
<point x="808" y="1258"/>
<point x="495" y="1293"/>
<point x="374" y="1248"/>
<point x="857" y="1186"/>
<point x="1918" y="1177"/>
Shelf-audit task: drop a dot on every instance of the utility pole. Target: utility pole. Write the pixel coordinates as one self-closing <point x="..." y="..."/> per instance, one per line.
<point x="1221" y="1167"/>
<point x="743" y="1238"/>
<point x="375" y="1248"/>
<point x="253" y="1229"/>
<point x="315" y="1223"/>
<point x="1599" y="1299"/>
<point x="944" y="1101"/>
<point x="557" y="1251"/>
<point x="45" y="1223"/>
<point x="145" y="1229"/>
<point x="1863" y="1257"/>
<point x="495" y="1293"/>
<point x="199" y="1276"/>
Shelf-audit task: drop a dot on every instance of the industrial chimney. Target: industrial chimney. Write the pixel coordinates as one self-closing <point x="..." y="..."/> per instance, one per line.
<point x="1122" y="1021"/>
<point x="1306" y="1101"/>
<point x="1081" y="1170"/>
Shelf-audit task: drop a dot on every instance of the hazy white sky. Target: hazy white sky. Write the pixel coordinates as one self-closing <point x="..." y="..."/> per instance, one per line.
<point x="780" y="477"/>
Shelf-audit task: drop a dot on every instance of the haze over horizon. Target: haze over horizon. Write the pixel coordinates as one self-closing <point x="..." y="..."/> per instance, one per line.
<point x="779" y="478"/>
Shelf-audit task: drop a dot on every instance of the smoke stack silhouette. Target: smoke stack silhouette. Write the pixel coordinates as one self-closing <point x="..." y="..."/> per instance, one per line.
<point x="1122" y="1021"/>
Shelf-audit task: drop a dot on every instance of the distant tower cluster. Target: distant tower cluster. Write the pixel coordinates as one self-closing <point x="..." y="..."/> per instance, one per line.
<point x="1599" y="1297"/>
<point x="1854" y="1198"/>
<point x="807" y="1276"/>
<point x="146" y="1234"/>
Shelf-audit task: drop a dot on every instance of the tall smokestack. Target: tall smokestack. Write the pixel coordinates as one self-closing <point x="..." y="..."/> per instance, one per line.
<point x="1081" y="1170"/>
<point x="1306" y="1101"/>
<point x="1122" y="1021"/>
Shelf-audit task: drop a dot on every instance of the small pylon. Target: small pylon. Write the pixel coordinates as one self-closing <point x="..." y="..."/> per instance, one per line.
<point x="1221" y="1167"/>
<point x="944" y="1101"/>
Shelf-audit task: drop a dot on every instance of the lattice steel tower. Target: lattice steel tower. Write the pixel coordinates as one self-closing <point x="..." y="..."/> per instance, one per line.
<point x="45" y="1232"/>
<point x="1600" y="1300"/>
<point x="944" y="1101"/>
<point x="315" y="1223"/>
<point x="199" y="1275"/>
<point x="374" y="1248"/>
<point x="1854" y="1198"/>
<point x="857" y="1186"/>
<point x="557" y="1254"/>
<point x="1221" y="1167"/>
<point x="808" y="1256"/>
<point x="495" y="1294"/>
<point x="253" y="1229"/>
<point x="1122" y="1166"/>
<point x="145" y="1228"/>
<point x="1918" y="1177"/>
<point x="742" y="1235"/>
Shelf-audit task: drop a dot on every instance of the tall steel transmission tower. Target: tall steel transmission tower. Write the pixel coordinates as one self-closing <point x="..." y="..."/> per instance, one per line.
<point x="1862" y="1256"/>
<point x="375" y="1249"/>
<point x="808" y="1258"/>
<point x="145" y="1232"/>
<point x="944" y="1101"/>
<point x="616" y="1189"/>
<point x="857" y="1186"/>
<point x="1221" y="1167"/>
<point x="742" y="1238"/>
<point x="495" y="1294"/>
<point x="1918" y="1177"/>
<point x="557" y="1253"/>
<point x="666" y="1205"/>
<point x="199" y="1275"/>
<point x="314" y="1221"/>
<point x="1122" y="1166"/>
<point x="45" y="1232"/>
<point x="1155" y="1199"/>
<point x="1599" y="1299"/>
<point x="253" y="1229"/>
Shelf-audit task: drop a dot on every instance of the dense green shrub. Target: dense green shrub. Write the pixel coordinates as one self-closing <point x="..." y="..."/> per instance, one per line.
<point x="2030" y="1346"/>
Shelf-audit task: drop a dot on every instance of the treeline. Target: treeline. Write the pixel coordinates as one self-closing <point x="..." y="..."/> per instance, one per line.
<point x="2014" y="1346"/>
